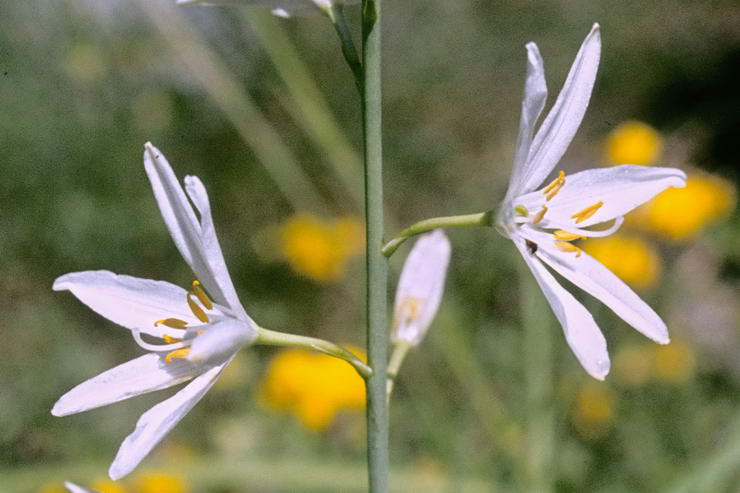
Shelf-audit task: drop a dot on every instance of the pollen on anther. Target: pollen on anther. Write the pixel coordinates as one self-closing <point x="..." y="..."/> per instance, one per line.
<point x="565" y="246"/>
<point x="202" y="296"/>
<point x="586" y="213"/>
<point x="540" y="215"/>
<point x="197" y="311"/>
<point x="554" y="187"/>
<point x="177" y="353"/>
<point x="174" y="323"/>
<point x="562" y="235"/>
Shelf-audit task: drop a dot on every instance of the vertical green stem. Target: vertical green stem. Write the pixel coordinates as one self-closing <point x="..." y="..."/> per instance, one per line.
<point x="377" y="336"/>
<point x="538" y="381"/>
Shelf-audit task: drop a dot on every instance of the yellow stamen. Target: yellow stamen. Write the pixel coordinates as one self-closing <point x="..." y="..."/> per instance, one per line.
<point x="174" y="323"/>
<point x="177" y="353"/>
<point x="170" y="340"/>
<point x="566" y="236"/>
<point x="568" y="247"/>
<point x="540" y="215"/>
<point x="587" y="212"/>
<point x="202" y="296"/>
<point x="197" y="311"/>
<point x="554" y="187"/>
<point x="521" y="211"/>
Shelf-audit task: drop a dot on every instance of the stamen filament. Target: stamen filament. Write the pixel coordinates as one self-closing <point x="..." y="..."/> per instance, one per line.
<point x="156" y="347"/>
<point x="540" y="215"/>
<point x="587" y="212"/>
<point x="197" y="311"/>
<point x="202" y="296"/>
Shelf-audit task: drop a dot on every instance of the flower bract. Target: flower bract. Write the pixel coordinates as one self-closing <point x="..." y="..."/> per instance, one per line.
<point x="545" y="222"/>
<point x="189" y="335"/>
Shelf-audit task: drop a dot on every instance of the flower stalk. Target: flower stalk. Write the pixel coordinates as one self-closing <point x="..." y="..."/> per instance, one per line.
<point x="400" y="350"/>
<point x="268" y="337"/>
<point x="377" y="267"/>
<point x="478" y="219"/>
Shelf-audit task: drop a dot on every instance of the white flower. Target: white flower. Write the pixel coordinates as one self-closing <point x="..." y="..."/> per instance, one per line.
<point x="199" y="334"/>
<point x="281" y="8"/>
<point x="420" y="287"/>
<point x="73" y="488"/>
<point x="543" y="223"/>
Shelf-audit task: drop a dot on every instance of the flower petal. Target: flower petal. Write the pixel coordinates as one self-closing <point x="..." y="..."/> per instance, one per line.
<point x="197" y="193"/>
<point x="620" y="188"/>
<point x="182" y="223"/>
<point x="581" y="332"/>
<point x="221" y="340"/>
<point x="144" y="374"/>
<point x="535" y="95"/>
<point x="158" y="421"/>
<point x="420" y="287"/>
<point x="563" y="120"/>
<point x="128" y="301"/>
<point x="73" y="488"/>
<point x="590" y="275"/>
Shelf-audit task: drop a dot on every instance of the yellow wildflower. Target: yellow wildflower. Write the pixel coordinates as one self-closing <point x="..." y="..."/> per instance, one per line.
<point x="320" y="249"/>
<point x="160" y="482"/>
<point x="633" y="142"/>
<point x="313" y="386"/>
<point x="675" y="362"/>
<point x="633" y="365"/>
<point x="105" y="485"/>
<point x="680" y="214"/>
<point x="631" y="258"/>
<point x="593" y="410"/>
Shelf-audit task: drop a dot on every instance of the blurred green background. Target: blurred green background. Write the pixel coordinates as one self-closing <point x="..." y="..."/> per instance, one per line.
<point x="265" y="112"/>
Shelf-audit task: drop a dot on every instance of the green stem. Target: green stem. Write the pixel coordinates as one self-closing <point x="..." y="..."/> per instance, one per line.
<point x="336" y="14"/>
<point x="478" y="219"/>
<point x="538" y="383"/>
<point x="377" y="266"/>
<point x="267" y="337"/>
<point x="400" y="350"/>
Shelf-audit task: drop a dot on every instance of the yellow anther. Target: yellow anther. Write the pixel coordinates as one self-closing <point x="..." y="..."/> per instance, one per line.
<point x="540" y="215"/>
<point x="554" y="187"/>
<point x="175" y="323"/>
<point x="177" y="353"/>
<point x="566" y="236"/>
<point x="170" y="340"/>
<point x="197" y="311"/>
<point x="521" y="211"/>
<point x="587" y="212"/>
<point x="202" y="296"/>
<point x="568" y="247"/>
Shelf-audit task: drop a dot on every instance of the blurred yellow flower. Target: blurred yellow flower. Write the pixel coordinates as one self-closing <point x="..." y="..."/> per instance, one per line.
<point x="593" y="410"/>
<point x="633" y="365"/>
<point x="633" y="142"/>
<point x="160" y="482"/>
<point x="675" y="362"/>
<point x="680" y="214"/>
<point x="313" y="386"/>
<point x="53" y="487"/>
<point x="105" y="485"/>
<point x="320" y="249"/>
<point x="631" y="258"/>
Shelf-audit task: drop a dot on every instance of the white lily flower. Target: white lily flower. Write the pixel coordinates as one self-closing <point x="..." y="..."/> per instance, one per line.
<point x="73" y="488"/>
<point x="280" y="8"/>
<point x="420" y="287"/>
<point x="199" y="334"/>
<point x="543" y="223"/>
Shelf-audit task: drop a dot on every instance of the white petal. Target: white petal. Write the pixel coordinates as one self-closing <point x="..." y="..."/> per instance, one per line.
<point x="181" y="221"/>
<point x="420" y="287"/>
<point x="144" y="374"/>
<point x="590" y="275"/>
<point x="73" y="488"/>
<point x="563" y="120"/>
<point x="221" y="341"/>
<point x="535" y="95"/>
<point x="620" y="188"/>
<point x="131" y="302"/>
<point x="581" y="332"/>
<point x="158" y="421"/>
<point x="197" y="193"/>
